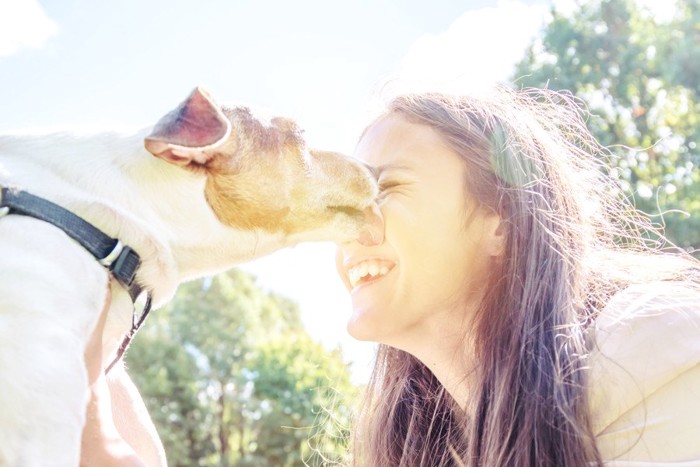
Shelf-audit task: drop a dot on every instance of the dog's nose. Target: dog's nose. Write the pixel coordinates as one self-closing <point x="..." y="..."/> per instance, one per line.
<point x="372" y="232"/>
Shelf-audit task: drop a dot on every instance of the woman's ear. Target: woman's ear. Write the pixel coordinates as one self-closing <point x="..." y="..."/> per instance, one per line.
<point x="495" y="235"/>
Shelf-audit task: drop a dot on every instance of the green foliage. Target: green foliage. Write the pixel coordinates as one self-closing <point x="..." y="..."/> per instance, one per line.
<point x="640" y="78"/>
<point x="231" y="378"/>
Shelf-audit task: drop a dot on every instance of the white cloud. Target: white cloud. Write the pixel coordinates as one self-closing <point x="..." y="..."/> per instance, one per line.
<point x="477" y="50"/>
<point x="23" y="23"/>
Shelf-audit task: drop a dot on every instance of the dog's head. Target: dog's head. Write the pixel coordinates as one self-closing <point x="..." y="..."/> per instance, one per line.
<point x="261" y="176"/>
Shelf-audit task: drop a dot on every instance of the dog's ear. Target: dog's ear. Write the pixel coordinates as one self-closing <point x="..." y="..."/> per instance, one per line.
<point x="182" y="136"/>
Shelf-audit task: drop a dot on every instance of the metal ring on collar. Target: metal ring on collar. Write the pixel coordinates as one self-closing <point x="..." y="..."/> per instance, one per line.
<point x="5" y="209"/>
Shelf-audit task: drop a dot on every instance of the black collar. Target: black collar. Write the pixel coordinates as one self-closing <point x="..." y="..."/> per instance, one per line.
<point x="120" y="260"/>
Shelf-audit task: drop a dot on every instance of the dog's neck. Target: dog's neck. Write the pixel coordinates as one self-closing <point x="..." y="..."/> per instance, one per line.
<point x="160" y="210"/>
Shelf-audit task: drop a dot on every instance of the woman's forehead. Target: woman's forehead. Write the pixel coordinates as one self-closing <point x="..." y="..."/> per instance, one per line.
<point x="392" y="142"/>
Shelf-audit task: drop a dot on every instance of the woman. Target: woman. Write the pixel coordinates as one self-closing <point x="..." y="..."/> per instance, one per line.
<point x="523" y="318"/>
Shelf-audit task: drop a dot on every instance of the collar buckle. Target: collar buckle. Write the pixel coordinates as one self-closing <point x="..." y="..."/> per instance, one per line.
<point x="125" y="265"/>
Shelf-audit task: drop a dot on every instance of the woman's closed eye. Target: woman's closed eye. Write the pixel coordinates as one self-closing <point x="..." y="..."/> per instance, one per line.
<point x="387" y="186"/>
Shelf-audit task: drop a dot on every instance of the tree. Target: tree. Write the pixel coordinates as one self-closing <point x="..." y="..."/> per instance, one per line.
<point x="297" y="386"/>
<point x="640" y="78"/>
<point x="231" y="378"/>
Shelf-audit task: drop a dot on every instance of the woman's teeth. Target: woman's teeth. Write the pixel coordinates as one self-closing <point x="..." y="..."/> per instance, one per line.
<point x="366" y="270"/>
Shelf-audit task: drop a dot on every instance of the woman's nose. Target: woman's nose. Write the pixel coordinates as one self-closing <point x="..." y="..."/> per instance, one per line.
<point x="372" y="232"/>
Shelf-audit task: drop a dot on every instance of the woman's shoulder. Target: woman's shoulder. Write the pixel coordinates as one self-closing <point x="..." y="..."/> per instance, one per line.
<point x="644" y="372"/>
<point x="650" y="331"/>
<point x="660" y="299"/>
<point x="657" y="319"/>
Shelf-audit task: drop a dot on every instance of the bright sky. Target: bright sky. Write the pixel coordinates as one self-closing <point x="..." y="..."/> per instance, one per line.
<point x="96" y="63"/>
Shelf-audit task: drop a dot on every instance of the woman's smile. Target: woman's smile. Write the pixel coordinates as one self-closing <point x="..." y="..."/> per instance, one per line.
<point x="365" y="271"/>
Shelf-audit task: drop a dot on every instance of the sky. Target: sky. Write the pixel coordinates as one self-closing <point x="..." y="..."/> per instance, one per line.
<point x="328" y="64"/>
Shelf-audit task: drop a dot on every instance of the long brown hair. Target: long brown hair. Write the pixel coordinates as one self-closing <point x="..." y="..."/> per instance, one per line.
<point x="570" y="234"/>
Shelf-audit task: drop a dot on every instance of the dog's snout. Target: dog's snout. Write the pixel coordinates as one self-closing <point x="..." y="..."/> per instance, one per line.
<point x="348" y="175"/>
<point x="372" y="231"/>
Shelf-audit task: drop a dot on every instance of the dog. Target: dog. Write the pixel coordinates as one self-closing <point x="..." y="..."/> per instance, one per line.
<point x="223" y="188"/>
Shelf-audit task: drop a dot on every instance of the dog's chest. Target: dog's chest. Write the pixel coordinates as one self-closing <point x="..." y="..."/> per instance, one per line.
<point x="51" y="286"/>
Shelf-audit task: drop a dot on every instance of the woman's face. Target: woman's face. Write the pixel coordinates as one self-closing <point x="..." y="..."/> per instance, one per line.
<point x="421" y="281"/>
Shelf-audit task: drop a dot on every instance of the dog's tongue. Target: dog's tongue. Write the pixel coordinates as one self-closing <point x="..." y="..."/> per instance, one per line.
<point x="196" y="123"/>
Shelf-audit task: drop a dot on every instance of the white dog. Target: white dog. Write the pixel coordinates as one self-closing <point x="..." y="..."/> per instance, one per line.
<point x="223" y="188"/>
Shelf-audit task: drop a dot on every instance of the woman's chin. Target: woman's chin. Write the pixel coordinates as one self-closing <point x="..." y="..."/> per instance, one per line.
<point x="361" y="328"/>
